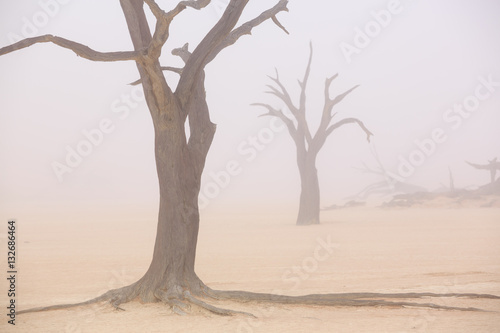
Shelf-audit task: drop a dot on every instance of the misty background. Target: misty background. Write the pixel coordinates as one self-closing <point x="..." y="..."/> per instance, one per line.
<point x="429" y="57"/>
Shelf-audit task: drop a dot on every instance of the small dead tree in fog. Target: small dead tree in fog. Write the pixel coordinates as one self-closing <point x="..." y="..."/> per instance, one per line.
<point x="492" y="166"/>
<point x="391" y="185"/>
<point x="307" y="144"/>
<point x="171" y="277"/>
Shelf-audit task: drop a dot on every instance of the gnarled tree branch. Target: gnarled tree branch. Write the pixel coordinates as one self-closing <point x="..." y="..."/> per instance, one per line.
<point x="164" y="19"/>
<point x="246" y="28"/>
<point x="196" y="4"/>
<point x="163" y="68"/>
<point x="198" y="59"/>
<point x="349" y="121"/>
<point x="80" y="49"/>
<point x="339" y="98"/>
<point x="221" y="36"/>
<point x="158" y="93"/>
<point x="278" y="23"/>
<point x="182" y="52"/>
<point x="282" y="94"/>
<point x="329" y="103"/>
<point x="279" y="114"/>
<point x="324" y="128"/>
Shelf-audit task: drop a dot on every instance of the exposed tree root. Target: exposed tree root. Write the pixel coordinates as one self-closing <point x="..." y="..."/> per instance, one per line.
<point x="177" y="305"/>
<point x="214" y="309"/>
<point x="180" y="301"/>
<point x="98" y="299"/>
<point x="350" y="299"/>
<point x="115" y="297"/>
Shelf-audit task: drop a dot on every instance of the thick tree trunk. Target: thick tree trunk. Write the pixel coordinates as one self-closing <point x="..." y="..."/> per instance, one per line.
<point x="309" y="195"/>
<point x="180" y="165"/>
<point x="179" y="162"/>
<point x="172" y="266"/>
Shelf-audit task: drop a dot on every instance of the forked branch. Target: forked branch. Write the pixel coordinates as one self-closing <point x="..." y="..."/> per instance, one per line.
<point x="221" y="36"/>
<point x="246" y="28"/>
<point x="163" y="68"/>
<point x="332" y="102"/>
<point x="325" y="128"/>
<point x="279" y="114"/>
<point x="329" y="103"/>
<point x="278" y="23"/>
<point x="182" y="52"/>
<point x="302" y="133"/>
<point x="169" y="16"/>
<point x="282" y="93"/>
<point x="196" y="4"/>
<point x="164" y="19"/>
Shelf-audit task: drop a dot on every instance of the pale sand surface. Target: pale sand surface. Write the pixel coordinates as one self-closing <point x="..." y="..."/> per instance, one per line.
<point x="375" y="250"/>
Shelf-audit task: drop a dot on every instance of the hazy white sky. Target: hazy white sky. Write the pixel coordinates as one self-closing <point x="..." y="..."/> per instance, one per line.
<point x="414" y="67"/>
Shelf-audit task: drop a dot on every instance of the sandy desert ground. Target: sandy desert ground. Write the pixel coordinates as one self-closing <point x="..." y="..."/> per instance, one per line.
<point x="375" y="250"/>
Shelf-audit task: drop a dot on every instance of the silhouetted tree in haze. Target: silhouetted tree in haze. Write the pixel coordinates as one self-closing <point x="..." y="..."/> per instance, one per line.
<point x="391" y="185"/>
<point x="492" y="166"/>
<point x="307" y="144"/>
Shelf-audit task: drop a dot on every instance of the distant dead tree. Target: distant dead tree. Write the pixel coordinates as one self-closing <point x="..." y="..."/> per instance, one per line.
<point x="391" y="185"/>
<point x="452" y="181"/>
<point x="492" y="166"/>
<point x="308" y="145"/>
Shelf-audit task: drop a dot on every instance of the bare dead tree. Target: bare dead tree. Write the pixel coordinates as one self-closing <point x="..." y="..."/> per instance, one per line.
<point x="171" y="278"/>
<point x="391" y="185"/>
<point x="493" y="166"/>
<point x="308" y="145"/>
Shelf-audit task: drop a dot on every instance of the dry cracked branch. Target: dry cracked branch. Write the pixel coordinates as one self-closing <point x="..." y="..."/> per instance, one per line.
<point x="80" y="49"/>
